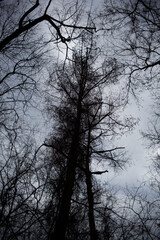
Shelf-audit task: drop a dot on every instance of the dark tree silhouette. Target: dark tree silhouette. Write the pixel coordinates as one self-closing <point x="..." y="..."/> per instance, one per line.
<point x="83" y="120"/>
<point x="28" y="32"/>
<point x="137" y="23"/>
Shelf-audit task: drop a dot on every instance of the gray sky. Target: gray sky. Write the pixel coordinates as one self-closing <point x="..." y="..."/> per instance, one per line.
<point x="133" y="142"/>
<point x="139" y="159"/>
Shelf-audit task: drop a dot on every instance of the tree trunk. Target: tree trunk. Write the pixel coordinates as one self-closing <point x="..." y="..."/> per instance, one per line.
<point x="62" y="219"/>
<point x="93" y="232"/>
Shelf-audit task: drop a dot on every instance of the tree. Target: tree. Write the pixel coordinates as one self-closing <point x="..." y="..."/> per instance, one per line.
<point x="30" y="18"/>
<point x="15" y="192"/>
<point x="136" y="24"/>
<point x="23" y="49"/>
<point x="84" y="119"/>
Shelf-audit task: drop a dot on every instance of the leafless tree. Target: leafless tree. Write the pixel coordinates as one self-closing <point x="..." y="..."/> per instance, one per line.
<point x="84" y="119"/>
<point x="29" y="31"/>
<point x="136" y="24"/>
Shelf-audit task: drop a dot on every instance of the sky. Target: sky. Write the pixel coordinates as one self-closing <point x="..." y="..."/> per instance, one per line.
<point x="139" y="160"/>
<point x="137" y="169"/>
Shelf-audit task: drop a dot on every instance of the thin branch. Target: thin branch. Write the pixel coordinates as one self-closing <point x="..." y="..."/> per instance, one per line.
<point x="99" y="172"/>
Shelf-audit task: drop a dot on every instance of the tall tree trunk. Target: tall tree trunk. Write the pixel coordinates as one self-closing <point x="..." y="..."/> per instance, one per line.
<point x="93" y="232"/>
<point x="62" y="219"/>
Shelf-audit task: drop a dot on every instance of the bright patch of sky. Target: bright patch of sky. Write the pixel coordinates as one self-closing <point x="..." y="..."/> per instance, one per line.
<point x="139" y="160"/>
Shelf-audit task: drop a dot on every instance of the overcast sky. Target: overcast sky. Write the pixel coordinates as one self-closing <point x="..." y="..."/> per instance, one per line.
<point x="139" y="160"/>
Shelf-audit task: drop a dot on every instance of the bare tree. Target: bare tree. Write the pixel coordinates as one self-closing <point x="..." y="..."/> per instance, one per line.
<point x="84" y="119"/>
<point x="35" y="14"/>
<point x="23" y="47"/>
<point x="136" y="24"/>
<point x="24" y="51"/>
